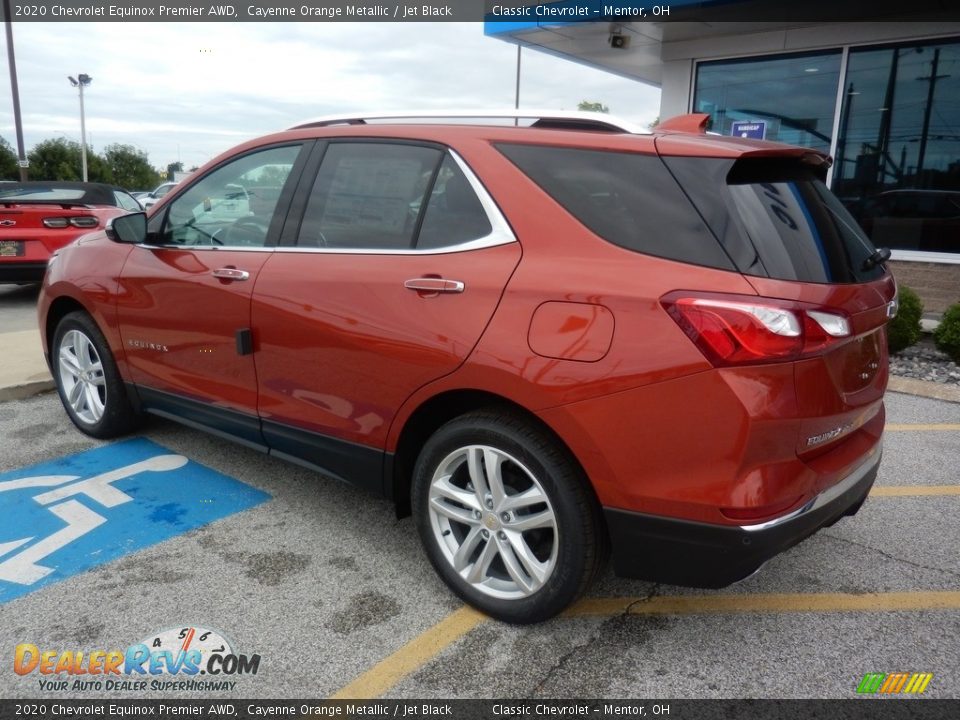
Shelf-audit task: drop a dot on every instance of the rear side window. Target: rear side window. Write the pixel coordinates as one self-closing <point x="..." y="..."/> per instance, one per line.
<point x="628" y="199"/>
<point x="454" y="214"/>
<point x="776" y="218"/>
<point x="368" y="196"/>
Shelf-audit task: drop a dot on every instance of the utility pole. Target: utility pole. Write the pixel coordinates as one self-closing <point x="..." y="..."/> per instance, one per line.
<point x="15" y="91"/>
<point x="931" y="89"/>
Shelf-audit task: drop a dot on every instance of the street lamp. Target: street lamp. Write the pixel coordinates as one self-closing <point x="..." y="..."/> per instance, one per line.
<point x="80" y="83"/>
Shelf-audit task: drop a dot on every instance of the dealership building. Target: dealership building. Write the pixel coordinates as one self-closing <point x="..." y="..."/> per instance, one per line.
<point x="881" y="97"/>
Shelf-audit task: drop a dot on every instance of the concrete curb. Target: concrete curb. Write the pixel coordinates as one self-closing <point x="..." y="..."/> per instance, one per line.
<point x="923" y="388"/>
<point x="20" y="392"/>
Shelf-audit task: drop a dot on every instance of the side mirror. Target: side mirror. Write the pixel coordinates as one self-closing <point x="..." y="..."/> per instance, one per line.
<point x="130" y="228"/>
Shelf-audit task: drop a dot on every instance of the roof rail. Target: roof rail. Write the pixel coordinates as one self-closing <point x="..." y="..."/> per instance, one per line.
<point x="556" y="119"/>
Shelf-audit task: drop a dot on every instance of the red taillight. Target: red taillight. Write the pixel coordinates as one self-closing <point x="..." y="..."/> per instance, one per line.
<point x="744" y="330"/>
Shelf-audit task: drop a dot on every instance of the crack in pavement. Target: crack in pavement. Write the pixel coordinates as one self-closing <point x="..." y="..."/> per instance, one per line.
<point x="562" y="661"/>
<point x="889" y="556"/>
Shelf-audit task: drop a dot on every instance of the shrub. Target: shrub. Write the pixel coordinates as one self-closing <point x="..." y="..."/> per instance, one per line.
<point x="947" y="335"/>
<point x="904" y="330"/>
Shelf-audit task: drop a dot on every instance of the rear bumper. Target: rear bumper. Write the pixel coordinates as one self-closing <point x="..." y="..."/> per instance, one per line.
<point x="683" y="552"/>
<point x="16" y="272"/>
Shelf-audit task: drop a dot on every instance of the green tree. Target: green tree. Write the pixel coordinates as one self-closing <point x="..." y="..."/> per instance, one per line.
<point x="588" y="106"/>
<point x="174" y="168"/>
<point x="56" y="159"/>
<point x="9" y="170"/>
<point x="130" y="168"/>
<point x="60" y="159"/>
<point x="98" y="169"/>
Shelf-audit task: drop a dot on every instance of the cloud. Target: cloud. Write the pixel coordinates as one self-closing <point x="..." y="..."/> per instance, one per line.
<point x="189" y="91"/>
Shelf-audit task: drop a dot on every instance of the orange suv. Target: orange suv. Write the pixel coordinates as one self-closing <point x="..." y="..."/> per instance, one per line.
<point x="546" y="342"/>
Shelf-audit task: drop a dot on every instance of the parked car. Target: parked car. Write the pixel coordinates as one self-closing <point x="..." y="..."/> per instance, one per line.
<point x="37" y="218"/>
<point x="148" y="200"/>
<point x="545" y="343"/>
<point x="927" y="220"/>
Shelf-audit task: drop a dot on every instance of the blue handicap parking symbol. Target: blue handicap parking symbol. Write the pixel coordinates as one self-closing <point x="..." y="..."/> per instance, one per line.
<point x="71" y="514"/>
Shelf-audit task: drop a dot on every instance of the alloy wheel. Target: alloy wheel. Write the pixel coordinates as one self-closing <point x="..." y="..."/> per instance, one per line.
<point x="493" y="521"/>
<point x="81" y="376"/>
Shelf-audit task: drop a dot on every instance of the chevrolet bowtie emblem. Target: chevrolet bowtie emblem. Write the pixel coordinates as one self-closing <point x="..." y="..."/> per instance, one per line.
<point x="7" y="223"/>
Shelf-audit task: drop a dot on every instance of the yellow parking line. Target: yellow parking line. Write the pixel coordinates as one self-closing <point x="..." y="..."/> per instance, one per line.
<point x="799" y="602"/>
<point x="933" y="427"/>
<point x="416" y="653"/>
<point x="914" y="490"/>
<point x="386" y="674"/>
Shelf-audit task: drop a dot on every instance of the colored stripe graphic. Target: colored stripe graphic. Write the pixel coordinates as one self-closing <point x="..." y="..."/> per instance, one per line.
<point x="894" y="683"/>
<point x="871" y="682"/>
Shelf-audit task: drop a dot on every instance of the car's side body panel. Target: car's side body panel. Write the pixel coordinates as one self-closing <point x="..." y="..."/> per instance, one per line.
<point x="86" y="274"/>
<point x="338" y="357"/>
<point x="179" y="323"/>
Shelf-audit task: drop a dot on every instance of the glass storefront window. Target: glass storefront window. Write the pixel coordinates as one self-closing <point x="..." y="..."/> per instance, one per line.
<point x="898" y="151"/>
<point x="789" y="99"/>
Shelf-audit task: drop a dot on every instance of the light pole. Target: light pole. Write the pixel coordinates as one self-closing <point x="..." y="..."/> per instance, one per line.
<point x="81" y="82"/>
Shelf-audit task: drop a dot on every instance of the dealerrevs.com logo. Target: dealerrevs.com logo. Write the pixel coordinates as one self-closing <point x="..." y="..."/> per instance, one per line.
<point x="168" y="660"/>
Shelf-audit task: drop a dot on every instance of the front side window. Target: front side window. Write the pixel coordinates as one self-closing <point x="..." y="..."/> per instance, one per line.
<point x="233" y="205"/>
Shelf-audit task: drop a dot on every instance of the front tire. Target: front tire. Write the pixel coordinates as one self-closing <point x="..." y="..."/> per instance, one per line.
<point x="506" y="517"/>
<point x="89" y="385"/>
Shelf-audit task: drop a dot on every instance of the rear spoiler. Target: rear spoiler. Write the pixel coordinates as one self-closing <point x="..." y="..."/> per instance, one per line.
<point x="690" y="123"/>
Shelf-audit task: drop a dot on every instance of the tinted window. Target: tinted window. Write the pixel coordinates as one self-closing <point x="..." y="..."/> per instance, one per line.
<point x="777" y="219"/>
<point x="368" y="196"/>
<point x="628" y="199"/>
<point x="233" y="205"/>
<point x="454" y="214"/>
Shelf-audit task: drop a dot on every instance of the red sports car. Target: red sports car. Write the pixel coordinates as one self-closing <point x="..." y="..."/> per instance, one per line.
<point x="545" y="343"/>
<point x="37" y="218"/>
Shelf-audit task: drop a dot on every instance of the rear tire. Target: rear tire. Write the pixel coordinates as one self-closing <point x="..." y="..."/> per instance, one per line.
<point x="506" y="517"/>
<point x="89" y="385"/>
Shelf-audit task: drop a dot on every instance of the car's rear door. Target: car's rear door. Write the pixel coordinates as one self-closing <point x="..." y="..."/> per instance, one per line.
<point x="400" y="259"/>
<point x="184" y="301"/>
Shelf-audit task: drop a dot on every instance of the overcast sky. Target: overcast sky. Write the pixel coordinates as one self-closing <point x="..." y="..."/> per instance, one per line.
<point x="187" y="91"/>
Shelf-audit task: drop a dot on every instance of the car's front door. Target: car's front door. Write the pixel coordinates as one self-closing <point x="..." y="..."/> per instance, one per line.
<point x="184" y="304"/>
<point x="401" y="259"/>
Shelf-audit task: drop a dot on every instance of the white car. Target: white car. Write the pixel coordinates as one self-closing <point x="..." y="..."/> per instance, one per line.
<point x="151" y="198"/>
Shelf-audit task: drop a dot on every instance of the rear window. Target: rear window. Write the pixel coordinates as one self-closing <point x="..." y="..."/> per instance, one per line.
<point x="56" y="194"/>
<point x="775" y="218"/>
<point x="628" y="199"/>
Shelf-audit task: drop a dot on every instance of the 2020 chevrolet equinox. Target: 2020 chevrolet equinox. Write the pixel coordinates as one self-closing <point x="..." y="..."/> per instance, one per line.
<point x="547" y="342"/>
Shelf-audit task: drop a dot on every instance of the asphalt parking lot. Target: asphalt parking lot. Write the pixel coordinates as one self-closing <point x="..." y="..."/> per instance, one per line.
<point x="337" y="598"/>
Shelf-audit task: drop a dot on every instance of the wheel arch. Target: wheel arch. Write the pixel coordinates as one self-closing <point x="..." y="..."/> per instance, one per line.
<point x="440" y="409"/>
<point x="59" y="308"/>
